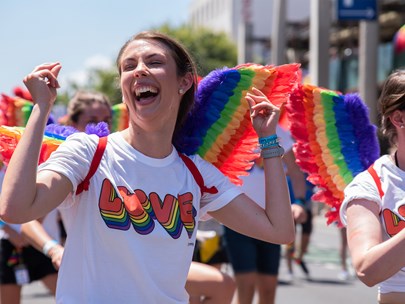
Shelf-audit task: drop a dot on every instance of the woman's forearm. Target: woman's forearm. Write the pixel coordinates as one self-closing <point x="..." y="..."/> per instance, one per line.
<point x="278" y="205"/>
<point x="19" y="185"/>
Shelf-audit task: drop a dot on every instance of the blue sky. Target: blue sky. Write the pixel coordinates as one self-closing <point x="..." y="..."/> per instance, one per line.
<point x="79" y="34"/>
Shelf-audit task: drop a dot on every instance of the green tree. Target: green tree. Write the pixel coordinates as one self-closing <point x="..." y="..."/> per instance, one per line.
<point x="210" y="50"/>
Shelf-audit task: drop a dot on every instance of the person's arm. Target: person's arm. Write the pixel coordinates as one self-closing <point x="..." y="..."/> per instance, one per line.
<point x="299" y="186"/>
<point x="375" y="260"/>
<point x="15" y="237"/>
<point x="274" y="223"/>
<point x="26" y="196"/>
<point x="37" y="236"/>
<point x="298" y="181"/>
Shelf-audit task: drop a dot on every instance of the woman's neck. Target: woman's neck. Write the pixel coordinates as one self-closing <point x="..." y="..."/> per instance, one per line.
<point x="152" y="144"/>
<point x="399" y="158"/>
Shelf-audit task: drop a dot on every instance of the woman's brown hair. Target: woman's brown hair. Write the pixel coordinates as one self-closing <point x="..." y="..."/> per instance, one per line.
<point x="392" y="98"/>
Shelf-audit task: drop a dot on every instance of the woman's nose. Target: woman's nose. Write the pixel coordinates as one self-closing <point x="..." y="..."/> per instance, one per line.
<point x="140" y="70"/>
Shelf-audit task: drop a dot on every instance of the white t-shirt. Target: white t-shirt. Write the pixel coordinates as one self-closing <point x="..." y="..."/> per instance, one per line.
<point x="138" y="251"/>
<point x="392" y="183"/>
<point x="286" y="141"/>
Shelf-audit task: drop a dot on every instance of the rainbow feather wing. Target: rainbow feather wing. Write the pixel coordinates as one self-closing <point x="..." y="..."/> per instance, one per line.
<point x="53" y="137"/>
<point x="10" y="136"/>
<point x="15" y="111"/>
<point x="219" y="127"/>
<point x="120" y="117"/>
<point x="334" y="140"/>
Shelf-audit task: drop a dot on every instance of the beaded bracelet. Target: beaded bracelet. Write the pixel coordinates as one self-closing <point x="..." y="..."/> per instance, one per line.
<point x="272" y="152"/>
<point x="268" y="142"/>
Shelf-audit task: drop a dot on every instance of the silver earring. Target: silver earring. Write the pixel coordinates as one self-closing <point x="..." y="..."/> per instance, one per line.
<point x="181" y="91"/>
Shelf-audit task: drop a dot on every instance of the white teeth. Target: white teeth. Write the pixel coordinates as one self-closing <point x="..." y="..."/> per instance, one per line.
<point x="144" y="89"/>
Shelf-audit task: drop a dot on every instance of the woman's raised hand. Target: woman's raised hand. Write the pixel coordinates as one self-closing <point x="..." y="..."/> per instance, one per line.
<point x="42" y="83"/>
<point x="263" y="113"/>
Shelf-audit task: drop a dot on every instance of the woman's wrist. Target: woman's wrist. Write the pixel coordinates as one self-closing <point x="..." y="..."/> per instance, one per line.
<point x="48" y="246"/>
<point x="270" y="147"/>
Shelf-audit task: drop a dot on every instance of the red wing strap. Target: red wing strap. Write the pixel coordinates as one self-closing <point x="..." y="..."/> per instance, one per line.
<point x="84" y="185"/>
<point x="377" y="180"/>
<point x="197" y="175"/>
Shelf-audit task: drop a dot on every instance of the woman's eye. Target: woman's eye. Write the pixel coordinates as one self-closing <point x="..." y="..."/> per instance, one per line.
<point x="128" y="67"/>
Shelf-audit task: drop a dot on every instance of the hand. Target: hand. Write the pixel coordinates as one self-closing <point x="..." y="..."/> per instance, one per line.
<point x="56" y="254"/>
<point x="42" y="83"/>
<point x="299" y="213"/>
<point x="263" y="113"/>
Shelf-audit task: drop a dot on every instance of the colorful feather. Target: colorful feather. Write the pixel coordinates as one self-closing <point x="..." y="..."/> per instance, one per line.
<point x="219" y="127"/>
<point x="15" y="111"/>
<point x="120" y="119"/>
<point x="54" y="135"/>
<point x="334" y="140"/>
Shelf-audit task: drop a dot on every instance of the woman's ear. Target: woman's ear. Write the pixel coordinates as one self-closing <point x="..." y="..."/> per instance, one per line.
<point x="397" y="118"/>
<point x="185" y="83"/>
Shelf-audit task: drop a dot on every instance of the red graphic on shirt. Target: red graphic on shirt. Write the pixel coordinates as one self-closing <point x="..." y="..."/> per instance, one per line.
<point x="393" y="222"/>
<point x="141" y="211"/>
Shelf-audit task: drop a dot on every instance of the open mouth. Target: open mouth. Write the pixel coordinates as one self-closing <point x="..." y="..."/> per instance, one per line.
<point x="145" y="92"/>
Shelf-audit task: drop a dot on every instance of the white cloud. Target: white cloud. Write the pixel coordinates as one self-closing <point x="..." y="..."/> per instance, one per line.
<point x="79" y="77"/>
<point x="98" y="62"/>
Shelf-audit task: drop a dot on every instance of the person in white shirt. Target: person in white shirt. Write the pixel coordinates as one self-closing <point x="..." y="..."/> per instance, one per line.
<point x="373" y="207"/>
<point x="130" y="237"/>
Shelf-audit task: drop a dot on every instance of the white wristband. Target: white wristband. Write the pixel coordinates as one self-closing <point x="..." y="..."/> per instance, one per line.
<point x="48" y="246"/>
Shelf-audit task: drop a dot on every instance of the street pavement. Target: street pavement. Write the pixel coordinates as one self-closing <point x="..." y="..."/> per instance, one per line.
<point x="322" y="287"/>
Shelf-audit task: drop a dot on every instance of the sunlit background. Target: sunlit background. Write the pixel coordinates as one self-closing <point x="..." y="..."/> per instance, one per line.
<point x="86" y="35"/>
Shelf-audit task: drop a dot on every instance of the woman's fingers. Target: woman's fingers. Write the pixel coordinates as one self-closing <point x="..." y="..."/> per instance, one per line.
<point x="45" y="72"/>
<point x="45" y="66"/>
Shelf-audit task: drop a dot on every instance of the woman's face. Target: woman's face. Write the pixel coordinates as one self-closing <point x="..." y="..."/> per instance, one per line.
<point x="150" y="85"/>
<point x="94" y="113"/>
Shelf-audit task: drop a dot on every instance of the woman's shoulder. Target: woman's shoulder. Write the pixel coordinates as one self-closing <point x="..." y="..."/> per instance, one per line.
<point x="201" y="163"/>
<point x="83" y="138"/>
<point x="79" y="142"/>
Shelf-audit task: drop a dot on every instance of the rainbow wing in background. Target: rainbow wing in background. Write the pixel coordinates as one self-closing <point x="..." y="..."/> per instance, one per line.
<point x="120" y="119"/>
<point x="219" y="127"/>
<point x="14" y="111"/>
<point x="334" y="140"/>
<point x="54" y="135"/>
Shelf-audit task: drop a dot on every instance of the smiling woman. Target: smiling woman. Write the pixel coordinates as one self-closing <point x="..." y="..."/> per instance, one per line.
<point x="135" y="227"/>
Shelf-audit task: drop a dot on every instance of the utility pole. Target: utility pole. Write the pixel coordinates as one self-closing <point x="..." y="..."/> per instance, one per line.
<point x="368" y="58"/>
<point x="366" y="11"/>
<point x="320" y="16"/>
<point x="245" y="33"/>
<point x="278" y="41"/>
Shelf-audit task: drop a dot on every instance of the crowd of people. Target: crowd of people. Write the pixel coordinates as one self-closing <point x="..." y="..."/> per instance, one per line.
<point x="120" y="230"/>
